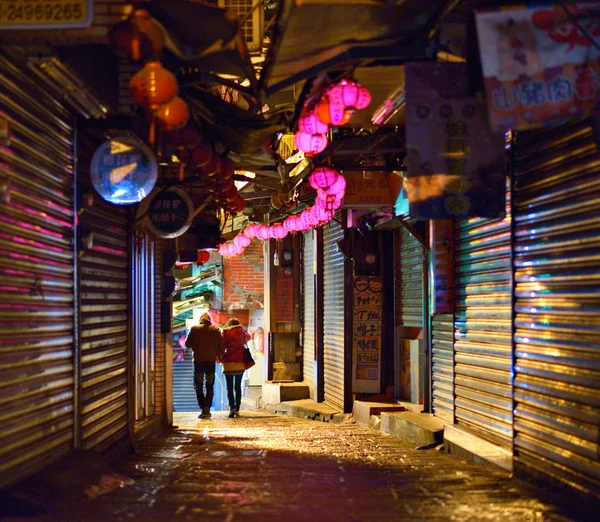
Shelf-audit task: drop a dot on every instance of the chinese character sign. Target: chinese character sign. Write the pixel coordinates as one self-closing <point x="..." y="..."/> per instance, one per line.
<point x="366" y="334"/>
<point x="367" y="190"/>
<point x="538" y="65"/>
<point x="455" y="165"/>
<point x="285" y="299"/>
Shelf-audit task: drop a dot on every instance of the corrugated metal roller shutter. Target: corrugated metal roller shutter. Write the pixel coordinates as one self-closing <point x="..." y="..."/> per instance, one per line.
<point x="104" y="288"/>
<point x="483" y="327"/>
<point x="308" y="322"/>
<point x="409" y="279"/>
<point x="36" y="280"/>
<point x="442" y="333"/>
<point x="333" y="315"/>
<point x="557" y="282"/>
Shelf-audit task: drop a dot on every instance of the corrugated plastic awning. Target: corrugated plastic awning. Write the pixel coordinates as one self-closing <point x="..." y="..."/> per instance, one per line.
<point x="314" y="35"/>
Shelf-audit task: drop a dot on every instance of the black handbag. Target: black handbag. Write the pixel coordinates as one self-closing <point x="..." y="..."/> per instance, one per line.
<point x="248" y="359"/>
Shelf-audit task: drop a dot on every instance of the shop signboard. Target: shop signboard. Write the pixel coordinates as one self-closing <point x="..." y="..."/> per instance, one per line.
<point x="455" y="164"/>
<point x="170" y="213"/>
<point x="539" y="64"/>
<point x="45" y="14"/>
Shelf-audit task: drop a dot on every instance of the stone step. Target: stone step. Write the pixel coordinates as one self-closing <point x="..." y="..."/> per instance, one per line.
<point x="277" y="392"/>
<point x="419" y="428"/>
<point x="468" y="446"/>
<point x="363" y="410"/>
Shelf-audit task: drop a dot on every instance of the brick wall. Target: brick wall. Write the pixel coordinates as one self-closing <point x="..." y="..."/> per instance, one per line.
<point x="244" y="282"/>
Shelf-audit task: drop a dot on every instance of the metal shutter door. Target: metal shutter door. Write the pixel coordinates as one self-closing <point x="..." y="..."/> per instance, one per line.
<point x="483" y="327"/>
<point x="557" y="282"/>
<point x="308" y="317"/>
<point x="104" y="291"/>
<point x="409" y="279"/>
<point x="36" y="280"/>
<point x="442" y="347"/>
<point x="333" y="315"/>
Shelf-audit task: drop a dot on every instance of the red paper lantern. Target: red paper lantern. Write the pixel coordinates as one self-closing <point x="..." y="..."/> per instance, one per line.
<point x="310" y="144"/>
<point x="173" y="115"/>
<point x="225" y="184"/>
<point x="323" y="177"/>
<point x="311" y="124"/>
<point x="231" y="194"/>
<point x="153" y="86"/>
<point x="227" y="168"/>
<point x="212" y="166"/>
<point x="202" y="154"/>
<point x="332" y="114"/>
<point x="239" y="204"/>
<point x="138" y="38"/>
<point x="202" y="257"/>
<point x="349" y="94"/>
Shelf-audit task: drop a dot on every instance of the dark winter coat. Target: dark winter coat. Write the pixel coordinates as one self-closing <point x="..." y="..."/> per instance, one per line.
<point x="234" y="341"/>
<point x="206" y="342"/>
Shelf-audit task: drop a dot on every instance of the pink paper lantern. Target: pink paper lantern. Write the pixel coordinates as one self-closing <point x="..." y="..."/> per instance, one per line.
<point x="238" y="250"/>
<point x="305" y="220"/>
<point x="323" y="177"/>
<point x="310" y="144"/>
<point x="337" y="187"/>
<point x="328" y="196"/>
<point x="349" y="94"/>
<point x="223" y="249"/>
<point x="263" y="232"/>
<point x="310" y="124"/>
<point x="242" y="240"/>
<point x="278" y="231"/>
<point x="289" y="224"/>
<point x="250" y="230"/>
<point x="314" y="215"/>
<point x="328" y="204"/>
<point x="324" y="215"/>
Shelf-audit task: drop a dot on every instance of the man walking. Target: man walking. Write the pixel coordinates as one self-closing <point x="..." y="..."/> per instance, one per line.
<point x="207" y="345"/>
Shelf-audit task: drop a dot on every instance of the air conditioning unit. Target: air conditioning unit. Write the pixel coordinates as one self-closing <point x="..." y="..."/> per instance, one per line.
<point x="252" y="24"/>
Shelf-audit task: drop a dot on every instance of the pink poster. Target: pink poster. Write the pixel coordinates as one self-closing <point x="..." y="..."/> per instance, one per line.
<point x="455" y="164"/>
<point x="539" y="64"/>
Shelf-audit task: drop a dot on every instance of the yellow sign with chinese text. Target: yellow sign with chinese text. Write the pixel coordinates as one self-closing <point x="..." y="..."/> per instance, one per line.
<point x="45" y="14"/>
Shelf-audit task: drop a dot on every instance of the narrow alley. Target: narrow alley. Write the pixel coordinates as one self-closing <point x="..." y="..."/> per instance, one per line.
<point x="262" y="466"/>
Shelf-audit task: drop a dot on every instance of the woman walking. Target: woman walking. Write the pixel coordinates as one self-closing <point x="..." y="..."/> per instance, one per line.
<point x="234" y="342"/>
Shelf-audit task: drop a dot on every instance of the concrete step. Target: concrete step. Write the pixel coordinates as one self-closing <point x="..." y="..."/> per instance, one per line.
<point x="466" y="445"/>
<point x="419" y="428"/>
<point x="309" y="409"/>
<point x="277" y="392"/>
<point x="363" y="410"/>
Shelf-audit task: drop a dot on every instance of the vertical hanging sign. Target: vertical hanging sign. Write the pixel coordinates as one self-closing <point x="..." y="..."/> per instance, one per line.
<point x="285" y="299"/>
<point x="366" y="334"/>
<point x="455" y="165"/>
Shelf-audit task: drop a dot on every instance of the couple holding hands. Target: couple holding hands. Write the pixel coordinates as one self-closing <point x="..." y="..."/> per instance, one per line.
<point x="209" y="346"/>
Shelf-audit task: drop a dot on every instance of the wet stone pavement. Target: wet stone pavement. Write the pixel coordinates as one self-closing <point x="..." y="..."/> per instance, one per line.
<point x="262" y="466"/>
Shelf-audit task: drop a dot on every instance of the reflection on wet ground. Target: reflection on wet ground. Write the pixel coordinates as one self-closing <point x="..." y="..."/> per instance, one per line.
<point x="268" y="467"/>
